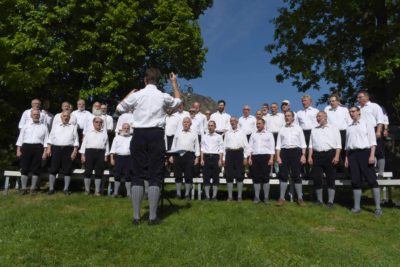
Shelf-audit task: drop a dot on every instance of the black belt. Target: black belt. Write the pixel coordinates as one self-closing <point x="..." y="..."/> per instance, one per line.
<point x="211" y="155"/>
<point x="234" y="149"/>
<point x="327" y="151"/>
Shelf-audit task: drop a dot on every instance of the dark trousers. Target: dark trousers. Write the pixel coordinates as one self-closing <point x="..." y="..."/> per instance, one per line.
<point x="123" y="168"/>
<point x="343" y="151"/>
<point x="322" y="163"/>
<point x="305" y="171"/>
<point x="290" y="164"/>
<point x="94" y="161"/>
<point x="61" y="161"/>
<point x="170" y="139"/>
<point x="359" y="168"/>
<point x="234" y="165"/>
<point x="380" y="148"/>
<point x="184" y="164"/>
<point x="248" y="137"/>
<point x="148" y="153"/>
<point x="260" y="168"/>
<point x="31" y="158"/>
<point x="211" y="169"/>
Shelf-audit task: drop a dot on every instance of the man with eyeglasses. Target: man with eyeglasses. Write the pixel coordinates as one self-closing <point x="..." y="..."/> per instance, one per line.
<point x="148" y="145"/>
<point x="63" y="148"/>
<point x="186" y="140"/>
<point x="360" y="158"/>
<point x="285" y="106"/>
<point x="94" y="153"/>
<point x="247" y="122"/>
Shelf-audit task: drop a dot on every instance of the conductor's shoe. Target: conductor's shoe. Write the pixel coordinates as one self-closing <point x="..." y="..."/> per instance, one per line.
<point x="378" y="213"/>
<point x="155" y="221"/>
<point x="136" y="221"/>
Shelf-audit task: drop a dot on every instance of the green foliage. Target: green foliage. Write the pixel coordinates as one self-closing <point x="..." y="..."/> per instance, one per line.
<point x="65" y="49"/>
<point x="348" y="45"/>
<point x="83" y="230"/>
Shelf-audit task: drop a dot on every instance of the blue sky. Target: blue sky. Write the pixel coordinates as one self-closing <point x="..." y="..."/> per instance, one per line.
<point x="237" y="68"/>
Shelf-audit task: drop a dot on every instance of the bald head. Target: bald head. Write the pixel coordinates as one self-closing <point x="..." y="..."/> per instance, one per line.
<point x="322" y="118"/>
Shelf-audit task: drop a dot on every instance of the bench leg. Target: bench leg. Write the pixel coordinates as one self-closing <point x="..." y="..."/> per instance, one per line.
<point x="6" y="185"/>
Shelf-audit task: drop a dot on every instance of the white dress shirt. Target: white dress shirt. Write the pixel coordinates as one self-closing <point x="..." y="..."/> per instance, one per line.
<point x="212" y="144"/>
<point x="222" y="121"/>
<point x="64" y="135"/>
<point x="33" y="133"/>
<point x="171" y="124"/>
<point x="96" y="140"/>
<point x="186" y="141"/>
<point x="57" y="120"/>
<point x="372" y="113"/>
<point x="247" y="124"/>
<point x="121" y="145"/>
<point x="261" y="143"/>
<point x="197" y="125"/>
<point x="124" y="118"/>
<point x="26" y="118"/>
<point x="47" y="119"/>
<point x="203" y="119"/>
<point x="325" y="138"/>
<point x="338" y="117"/>
<point x="109" y="122"/>
<point x="236" y="139"/>
<point x="360" y="135"/>
<point x="149" y="106"/>
<point x="274" y="122"/>
<point x="307" y="118"/>
<point x="290" y="136"/>
<point x="81" y="117"/>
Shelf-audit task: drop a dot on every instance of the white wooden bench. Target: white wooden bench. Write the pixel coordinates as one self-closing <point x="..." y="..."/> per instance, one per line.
<point x="197" y="182"/>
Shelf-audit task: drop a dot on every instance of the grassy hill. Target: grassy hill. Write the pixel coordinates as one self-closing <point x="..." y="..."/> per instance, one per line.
<point x="81" y="230"/>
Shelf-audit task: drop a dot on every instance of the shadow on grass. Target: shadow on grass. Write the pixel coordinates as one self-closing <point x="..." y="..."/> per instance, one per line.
<point x="168" y="208"/>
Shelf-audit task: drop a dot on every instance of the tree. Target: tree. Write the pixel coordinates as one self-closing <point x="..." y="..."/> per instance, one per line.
<point x="347" y="44"/>
<point x="65" y="49"/>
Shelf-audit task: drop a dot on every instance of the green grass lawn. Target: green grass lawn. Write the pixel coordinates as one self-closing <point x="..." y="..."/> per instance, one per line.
<point x="80" y="230"/>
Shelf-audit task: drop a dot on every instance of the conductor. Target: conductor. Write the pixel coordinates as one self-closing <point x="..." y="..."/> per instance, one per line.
<point x="147" y="145"/>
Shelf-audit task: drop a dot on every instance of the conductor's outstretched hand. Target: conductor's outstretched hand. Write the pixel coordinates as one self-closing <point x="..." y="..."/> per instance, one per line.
<point x="172" y="77"/>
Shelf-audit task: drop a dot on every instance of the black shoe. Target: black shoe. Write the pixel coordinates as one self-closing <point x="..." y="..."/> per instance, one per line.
<point x="178" y="196"/>
<point x="24" y="192"/>
<point x="33" y="192"/>
<point x="51" y="192"/>
<point x="214" y="199"/>
<point x="318" y="203"/>
<point x="329" y="205"/>
<point x="187" y="197"/>
<point x="136" y="221"/>
<point x="66" y="192"/>
<point x="155" y="221"/>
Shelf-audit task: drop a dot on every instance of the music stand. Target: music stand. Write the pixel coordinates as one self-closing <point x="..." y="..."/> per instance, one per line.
<point x="163" y="193"/>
